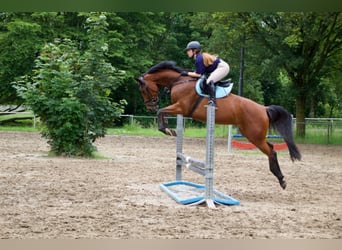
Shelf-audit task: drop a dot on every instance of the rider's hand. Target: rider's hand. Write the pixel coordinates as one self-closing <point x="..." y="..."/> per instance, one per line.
<point x="184" y="73"/>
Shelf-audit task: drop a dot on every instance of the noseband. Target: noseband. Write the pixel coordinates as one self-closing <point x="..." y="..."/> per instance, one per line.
<point x="152" y="100"/>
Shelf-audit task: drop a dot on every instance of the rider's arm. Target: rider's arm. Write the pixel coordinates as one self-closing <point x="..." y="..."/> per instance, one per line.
<point x="194" y="74"/>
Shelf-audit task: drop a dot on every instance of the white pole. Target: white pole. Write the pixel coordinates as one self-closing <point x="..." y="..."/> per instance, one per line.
<point x="209" y="168"/>
<point x="229" y="139"/>
<point x="179" y="146"/>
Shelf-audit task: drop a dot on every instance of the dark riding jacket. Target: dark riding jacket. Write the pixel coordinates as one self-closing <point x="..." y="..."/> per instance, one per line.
<point x="201" y="68"/>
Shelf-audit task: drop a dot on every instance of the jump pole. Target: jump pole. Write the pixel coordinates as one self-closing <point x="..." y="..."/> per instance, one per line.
<point x="206" y="169"/>
<point x="209" y="160"/>
<point x="179" y="146"/>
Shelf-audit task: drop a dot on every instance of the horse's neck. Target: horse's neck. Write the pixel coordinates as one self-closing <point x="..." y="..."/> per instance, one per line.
<point x="184" y="89"/>
<point x="166" y="78"/>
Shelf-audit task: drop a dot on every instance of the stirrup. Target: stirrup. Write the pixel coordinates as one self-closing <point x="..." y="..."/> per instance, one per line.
<point x="212" y="101"/>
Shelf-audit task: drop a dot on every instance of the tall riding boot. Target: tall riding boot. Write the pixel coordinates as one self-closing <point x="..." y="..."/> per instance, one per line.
<point x="212" y="92"/>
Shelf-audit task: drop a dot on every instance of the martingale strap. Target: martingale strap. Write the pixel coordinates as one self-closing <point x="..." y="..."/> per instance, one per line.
<point x="192" y="110"/>
<point x="199" y="98"/>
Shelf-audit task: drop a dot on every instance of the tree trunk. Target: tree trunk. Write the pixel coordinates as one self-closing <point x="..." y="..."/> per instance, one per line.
<point x="242" y="64"/>
<point x="300" y="116"/>
<point x="312" y="108"/>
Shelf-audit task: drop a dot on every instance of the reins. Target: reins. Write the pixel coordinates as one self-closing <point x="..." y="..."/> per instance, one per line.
<point x="177" y="82"/>
<point x="168" y="88"/>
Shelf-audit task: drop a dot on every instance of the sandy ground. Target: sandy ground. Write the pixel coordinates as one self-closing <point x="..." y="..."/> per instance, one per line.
<point x="119" y="197"/>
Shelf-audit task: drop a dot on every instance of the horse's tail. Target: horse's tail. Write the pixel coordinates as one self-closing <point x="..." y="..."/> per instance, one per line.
<point x="281" y="120"/>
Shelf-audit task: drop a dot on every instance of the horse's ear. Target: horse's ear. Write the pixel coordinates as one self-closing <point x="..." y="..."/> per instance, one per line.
<point x="140" y="80"/>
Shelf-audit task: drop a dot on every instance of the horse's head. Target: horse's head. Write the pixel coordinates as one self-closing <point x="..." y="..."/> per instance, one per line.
<point x="149" y="91"/>
<point x="163" y="74"/>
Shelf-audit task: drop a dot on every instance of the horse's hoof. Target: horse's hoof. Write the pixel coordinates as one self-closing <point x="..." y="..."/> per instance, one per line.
<point x="282" y="184"/>
<point x="170" y="132"/>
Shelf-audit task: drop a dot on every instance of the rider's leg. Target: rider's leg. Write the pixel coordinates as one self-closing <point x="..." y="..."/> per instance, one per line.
<point x="212" y="92"/>
<point x="220" y="72"/>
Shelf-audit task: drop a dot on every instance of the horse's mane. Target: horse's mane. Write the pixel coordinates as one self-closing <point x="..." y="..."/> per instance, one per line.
<point x="165" y="65"/>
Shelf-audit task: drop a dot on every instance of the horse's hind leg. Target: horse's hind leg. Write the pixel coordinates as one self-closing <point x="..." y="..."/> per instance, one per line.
<point x="256" y="134"/>
<point x="274" y="166"/>
<point x="267" y="149"/>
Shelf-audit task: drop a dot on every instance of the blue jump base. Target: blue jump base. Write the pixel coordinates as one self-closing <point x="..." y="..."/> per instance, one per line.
<point x="195" y="193"/>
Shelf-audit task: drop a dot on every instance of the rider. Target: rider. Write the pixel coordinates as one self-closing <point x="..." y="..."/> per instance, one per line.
<point x="206" y="64"/>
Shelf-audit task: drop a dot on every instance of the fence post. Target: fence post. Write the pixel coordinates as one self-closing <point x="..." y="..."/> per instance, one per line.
<point x="330" y="126"/>
<point x="179" y="146"/>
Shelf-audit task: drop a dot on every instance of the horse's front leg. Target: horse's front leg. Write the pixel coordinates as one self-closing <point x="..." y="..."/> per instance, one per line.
<point x="163" y="123"/>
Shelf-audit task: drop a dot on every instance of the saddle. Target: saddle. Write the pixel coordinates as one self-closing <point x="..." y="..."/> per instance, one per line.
<point x="223" y="88"/>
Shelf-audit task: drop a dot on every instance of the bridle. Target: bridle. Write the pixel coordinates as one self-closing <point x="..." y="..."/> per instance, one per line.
<point x="152" y="95"/>
<point x="153" y="98"/>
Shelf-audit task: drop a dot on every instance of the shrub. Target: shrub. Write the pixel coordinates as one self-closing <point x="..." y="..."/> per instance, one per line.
<point x="69" y="91"/>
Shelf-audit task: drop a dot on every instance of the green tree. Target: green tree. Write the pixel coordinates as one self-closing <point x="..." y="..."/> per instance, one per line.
<point x="300" y="43"/>
<point x="282" y="50"/>
<point x="133" y="46"/>
<point x="330" y="88"/>
<point x="226" y="34"/>
<point x="19" y="46"/>
<point x="70" y="91"/>
<point x="22" y="36"/>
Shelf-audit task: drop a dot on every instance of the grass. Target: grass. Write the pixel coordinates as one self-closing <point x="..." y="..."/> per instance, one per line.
<point x="153" y="131"/>
<point x="314" y="135"/>
<point x="16" y="116"/>
<point x="321" y="137"/>
<point x="19" y="128"/>
<point x="140" y="132"/>
<point x="17" y="122"/>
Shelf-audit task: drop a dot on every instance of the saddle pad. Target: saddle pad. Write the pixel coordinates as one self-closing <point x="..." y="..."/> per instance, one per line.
<point x="220" y="91"/>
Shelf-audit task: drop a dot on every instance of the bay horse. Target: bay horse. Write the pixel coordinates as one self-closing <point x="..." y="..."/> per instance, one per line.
<point x="252" y="119"/>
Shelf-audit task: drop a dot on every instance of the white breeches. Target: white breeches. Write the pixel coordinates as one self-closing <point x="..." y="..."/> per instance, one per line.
<point x="219" y="73"/>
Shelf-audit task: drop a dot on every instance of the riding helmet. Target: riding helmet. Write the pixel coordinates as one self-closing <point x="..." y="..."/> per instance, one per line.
<point x="193" y="45"/>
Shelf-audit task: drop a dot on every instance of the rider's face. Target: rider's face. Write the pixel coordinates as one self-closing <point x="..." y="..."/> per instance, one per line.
<point x="190" y="53"/>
